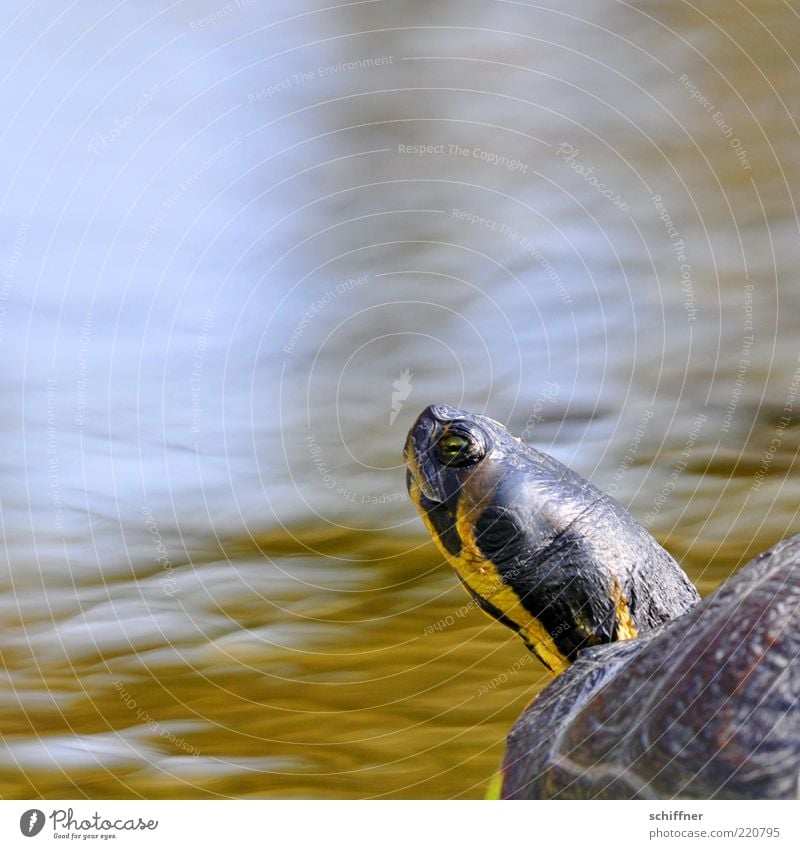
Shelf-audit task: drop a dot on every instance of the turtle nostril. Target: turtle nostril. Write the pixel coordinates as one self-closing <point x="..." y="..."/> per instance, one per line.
<point x="442" y="412"/>
<point x="421" y="432"/>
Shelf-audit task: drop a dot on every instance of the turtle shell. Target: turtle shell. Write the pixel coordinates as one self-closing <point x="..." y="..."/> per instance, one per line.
<point x="705" y="707"/>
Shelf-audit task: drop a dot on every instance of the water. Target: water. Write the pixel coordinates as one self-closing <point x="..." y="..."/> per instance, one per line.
<point x="244" y="245"/>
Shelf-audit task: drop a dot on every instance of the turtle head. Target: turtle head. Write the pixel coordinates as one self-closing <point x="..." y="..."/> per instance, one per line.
<point x="537" y="546"/>
<point x="445" y="449"/>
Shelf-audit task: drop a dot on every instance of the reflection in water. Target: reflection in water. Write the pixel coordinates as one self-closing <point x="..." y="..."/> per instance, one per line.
<point x="242" y="249"/>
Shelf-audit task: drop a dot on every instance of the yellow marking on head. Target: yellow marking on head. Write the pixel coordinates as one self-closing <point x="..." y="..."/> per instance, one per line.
<point x="494" y="788"/>
<point x="626" y="627"/>
<point x="415" y="492"/>
<point x="484" y="579"/>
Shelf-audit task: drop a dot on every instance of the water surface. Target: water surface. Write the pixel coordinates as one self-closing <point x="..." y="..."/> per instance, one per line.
<point x="243" y="245"/>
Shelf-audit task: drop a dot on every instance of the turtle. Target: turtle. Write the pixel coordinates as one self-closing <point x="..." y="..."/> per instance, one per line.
<point x="657" y="694"/>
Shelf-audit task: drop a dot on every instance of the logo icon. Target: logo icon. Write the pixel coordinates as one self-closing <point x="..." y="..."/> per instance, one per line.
<point x="31" y="822"/>
<point x="402" y="389"/>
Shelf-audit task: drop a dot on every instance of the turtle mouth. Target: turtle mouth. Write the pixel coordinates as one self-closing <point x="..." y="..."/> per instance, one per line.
<point x="416" y="475"/>
<point x="414" y="459"/>
<point x="428" y="496"/>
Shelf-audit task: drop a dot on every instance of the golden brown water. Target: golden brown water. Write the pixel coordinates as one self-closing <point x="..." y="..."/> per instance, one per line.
<point x="231" y="278"/>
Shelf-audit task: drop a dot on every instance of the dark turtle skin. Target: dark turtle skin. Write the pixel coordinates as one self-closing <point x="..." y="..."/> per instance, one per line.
<point x="658" y="695"/>
<point x="536" y="545"/>
<point x="705" y="707"/>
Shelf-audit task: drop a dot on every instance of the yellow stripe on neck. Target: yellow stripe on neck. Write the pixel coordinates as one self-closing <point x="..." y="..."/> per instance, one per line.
<point x="626" y="628"/>
<point x="484" y="579"/>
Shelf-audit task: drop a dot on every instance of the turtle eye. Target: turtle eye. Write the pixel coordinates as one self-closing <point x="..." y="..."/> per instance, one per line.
<point x="454" y="449"/>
